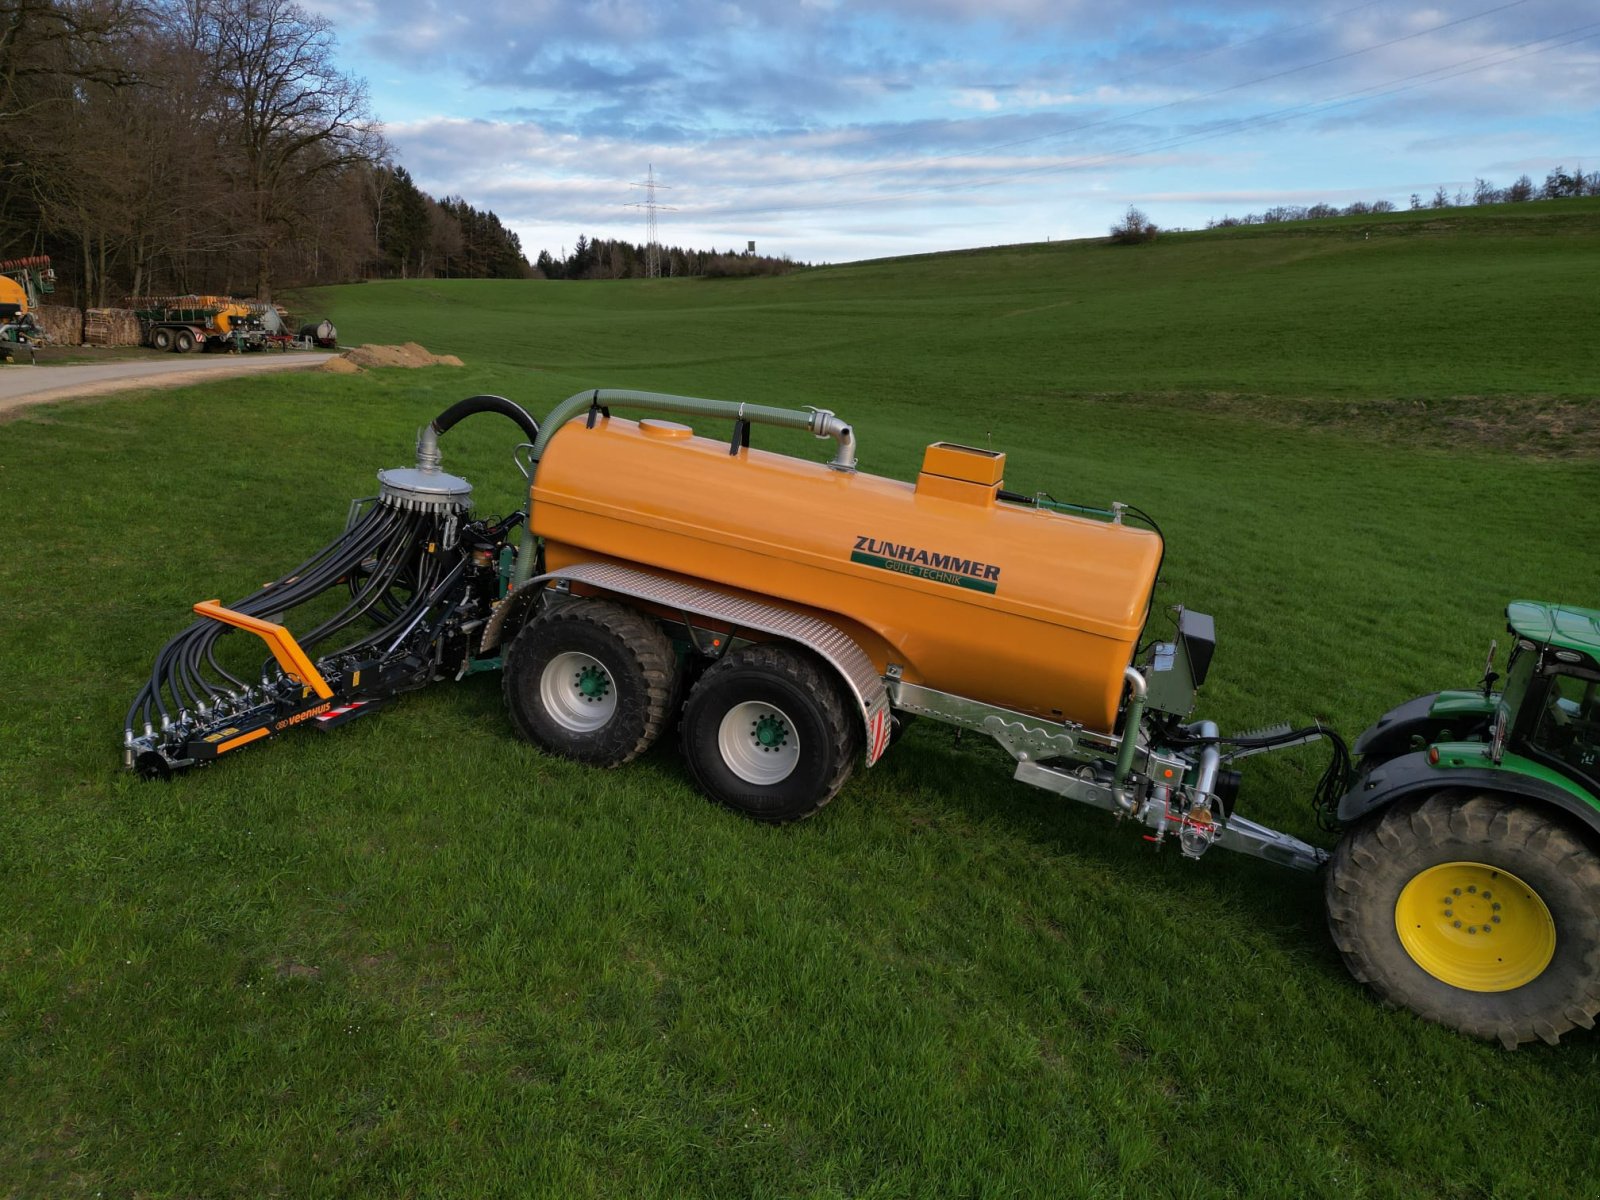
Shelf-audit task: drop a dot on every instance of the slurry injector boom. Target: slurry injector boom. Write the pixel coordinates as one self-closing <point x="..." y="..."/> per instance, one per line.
<point x="397" y="599"/>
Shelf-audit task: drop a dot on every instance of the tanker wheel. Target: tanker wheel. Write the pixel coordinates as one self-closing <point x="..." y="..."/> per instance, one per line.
<point x="591" y="681"/>
<point x="161" y="339"/>
<point x="767" y="733"/>
<point x="183" y="341"/>
<point x="1475" y="911"/>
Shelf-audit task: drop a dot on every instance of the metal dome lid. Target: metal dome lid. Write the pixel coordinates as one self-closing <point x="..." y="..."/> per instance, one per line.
<point x="426" y="490"/>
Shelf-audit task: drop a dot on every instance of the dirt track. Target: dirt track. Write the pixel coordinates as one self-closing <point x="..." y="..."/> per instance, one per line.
<point x="22" y="385"/>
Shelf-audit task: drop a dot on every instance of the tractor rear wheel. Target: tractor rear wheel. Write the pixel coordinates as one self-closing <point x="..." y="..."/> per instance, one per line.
<point x="766" y="733"/>
<point x="161" y="339"/>
<point x="183" y="341"/>
<point x="592" y="681"/>
<point x="1476" y="911"/>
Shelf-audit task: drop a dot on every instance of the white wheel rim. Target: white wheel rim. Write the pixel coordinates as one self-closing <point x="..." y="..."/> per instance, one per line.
<point x="759" y="743"/>
<point x="578" y="692"/>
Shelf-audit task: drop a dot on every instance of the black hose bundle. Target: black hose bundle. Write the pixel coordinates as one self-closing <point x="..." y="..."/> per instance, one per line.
<point x="1335" y="782"/>
<point x="393" y="580"/>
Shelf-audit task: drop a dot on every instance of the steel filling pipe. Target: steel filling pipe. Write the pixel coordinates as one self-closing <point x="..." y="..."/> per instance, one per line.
<point x="1205" y="783"/>
<point x="1130" y="738"/>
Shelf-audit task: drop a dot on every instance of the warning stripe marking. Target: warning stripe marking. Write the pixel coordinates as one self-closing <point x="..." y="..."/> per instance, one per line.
<point x="339" y="712"/>
<point x="880" y="729"/>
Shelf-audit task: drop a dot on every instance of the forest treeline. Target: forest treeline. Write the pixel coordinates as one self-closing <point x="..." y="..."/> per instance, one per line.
<point x="215" y="146"/>
<point x="154" y="146"/>
<point x="599" y="258"/>
<point x="1558" y="185"/>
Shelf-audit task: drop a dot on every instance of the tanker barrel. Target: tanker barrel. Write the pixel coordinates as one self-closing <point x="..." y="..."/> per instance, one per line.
<point x="1005" y="605"/>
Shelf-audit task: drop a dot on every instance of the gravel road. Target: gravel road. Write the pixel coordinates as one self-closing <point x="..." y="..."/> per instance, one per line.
<point x="21" y="385"/>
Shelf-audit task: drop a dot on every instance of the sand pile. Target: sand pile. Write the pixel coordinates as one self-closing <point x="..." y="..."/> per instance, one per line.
<point x="408" y="355"/>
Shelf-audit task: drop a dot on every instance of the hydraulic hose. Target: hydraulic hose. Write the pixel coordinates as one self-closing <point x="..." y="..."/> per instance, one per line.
<point x="428" y="440"/>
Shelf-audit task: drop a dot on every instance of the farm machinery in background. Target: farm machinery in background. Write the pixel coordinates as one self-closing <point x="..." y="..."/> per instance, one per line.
<point x="24" y="282"/>
<point x="186" y="323"/>
<point x="789" y="616"/>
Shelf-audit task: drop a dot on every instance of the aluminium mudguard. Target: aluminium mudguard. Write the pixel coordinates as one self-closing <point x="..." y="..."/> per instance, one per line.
<point x="1412" y="775"/>
<point x="836" y="649"/>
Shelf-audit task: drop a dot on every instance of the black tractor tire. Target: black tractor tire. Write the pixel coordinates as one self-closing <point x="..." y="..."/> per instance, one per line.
<point x="161" y="339"/>
<point x="591" y="681"/>
<point x="762" y="691"/>
<point x="1447" y="831"/>
<point x="183" y="341"/>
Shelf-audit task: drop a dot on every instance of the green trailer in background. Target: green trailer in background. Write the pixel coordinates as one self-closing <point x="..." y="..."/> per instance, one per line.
<point x="186" y="323"/>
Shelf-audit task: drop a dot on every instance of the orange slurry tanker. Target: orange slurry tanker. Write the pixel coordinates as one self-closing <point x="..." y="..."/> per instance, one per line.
<point x="789" y="615"/>
<point x="1005" y="603"/>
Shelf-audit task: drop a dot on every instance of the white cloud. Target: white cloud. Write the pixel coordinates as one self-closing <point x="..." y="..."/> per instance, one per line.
<point x="831" y="124"/>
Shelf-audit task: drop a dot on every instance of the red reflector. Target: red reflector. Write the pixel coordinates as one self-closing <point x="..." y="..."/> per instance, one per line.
<point x="1433" y="756"/>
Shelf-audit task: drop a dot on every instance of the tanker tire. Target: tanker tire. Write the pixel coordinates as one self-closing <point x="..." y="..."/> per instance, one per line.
<point x="636" y="656"/>
<point x="795" y="685"/>
<point x="183" y="341"/>
<point x="161" y="339"/>
<point x="1378" y="858"/>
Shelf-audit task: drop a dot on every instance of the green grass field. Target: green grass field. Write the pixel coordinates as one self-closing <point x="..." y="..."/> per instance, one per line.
<point x="417" y="958"/>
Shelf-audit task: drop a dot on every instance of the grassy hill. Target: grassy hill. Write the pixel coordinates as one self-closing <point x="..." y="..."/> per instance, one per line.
<point x="415" y="957"/>
<point x="1491" y="302"/>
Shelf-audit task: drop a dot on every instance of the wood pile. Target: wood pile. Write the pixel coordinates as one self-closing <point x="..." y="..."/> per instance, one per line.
<point x="61" y="322"/>
<point x="111" y="327"/>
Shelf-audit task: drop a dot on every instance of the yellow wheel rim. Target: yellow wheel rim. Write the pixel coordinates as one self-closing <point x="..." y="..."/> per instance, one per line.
<point x="1475" y="927"/>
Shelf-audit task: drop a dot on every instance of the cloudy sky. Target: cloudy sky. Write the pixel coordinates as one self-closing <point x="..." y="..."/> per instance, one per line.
<point x="832" y="131"/>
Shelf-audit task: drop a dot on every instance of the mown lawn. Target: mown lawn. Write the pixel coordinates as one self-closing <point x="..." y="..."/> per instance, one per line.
<point x="416" y="958"/>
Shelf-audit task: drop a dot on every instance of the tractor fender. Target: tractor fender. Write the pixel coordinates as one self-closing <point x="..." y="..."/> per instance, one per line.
<point x="1424" y="717"/>
<point x="1412" y="775"/>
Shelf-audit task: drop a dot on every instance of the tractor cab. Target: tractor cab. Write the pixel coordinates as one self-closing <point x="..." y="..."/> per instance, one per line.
<point x="1549" y="709"/>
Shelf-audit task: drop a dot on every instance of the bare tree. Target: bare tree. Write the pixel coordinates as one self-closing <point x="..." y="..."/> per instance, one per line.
<point x="287" y="108"/>
<point x="1134" y="227"/>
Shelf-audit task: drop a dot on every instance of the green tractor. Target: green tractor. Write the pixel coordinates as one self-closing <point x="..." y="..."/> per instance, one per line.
<point x="1467" y="886"/>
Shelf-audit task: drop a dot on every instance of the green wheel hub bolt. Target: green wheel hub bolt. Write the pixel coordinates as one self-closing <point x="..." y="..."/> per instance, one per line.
<point x="592" y="683"/>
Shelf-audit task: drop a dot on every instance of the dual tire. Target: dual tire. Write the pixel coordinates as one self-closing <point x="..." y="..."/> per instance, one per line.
<point x="180" y="340"/>
<point x="765" y="730"/>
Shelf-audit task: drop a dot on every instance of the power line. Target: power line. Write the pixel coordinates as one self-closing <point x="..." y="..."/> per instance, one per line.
<point x="652" y="247"/>
<point x="1116" y="82"/>
<point x="1122" y="118"/>
<point x="1278" y="116"/>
